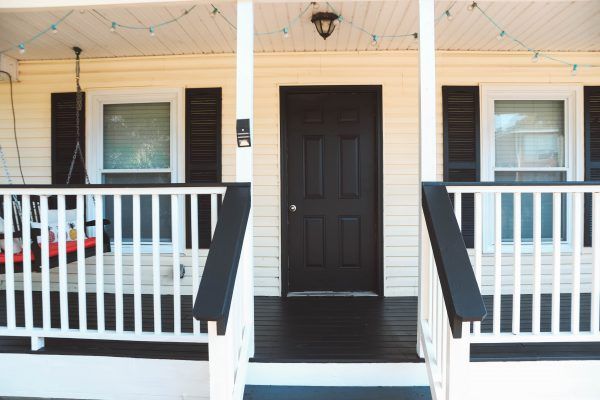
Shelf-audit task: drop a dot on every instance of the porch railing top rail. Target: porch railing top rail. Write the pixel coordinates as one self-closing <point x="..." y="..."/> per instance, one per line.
<point x="519" y="187"/>
<point x="459" y="287"/>
<point x="116" y="189"/>
<point x="218" y="280"/>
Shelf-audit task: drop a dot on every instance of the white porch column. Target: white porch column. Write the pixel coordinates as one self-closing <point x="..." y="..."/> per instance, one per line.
<point x="427" y="140"/>
<point x="243" y="155"/>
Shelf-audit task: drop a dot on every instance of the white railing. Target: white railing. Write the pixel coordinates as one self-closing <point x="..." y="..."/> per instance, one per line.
<point x="137" y="268"/>
<point x="528" y="257"/>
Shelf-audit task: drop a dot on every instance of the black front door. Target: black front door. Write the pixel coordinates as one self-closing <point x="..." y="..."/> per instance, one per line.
<point x="331" y="188"/>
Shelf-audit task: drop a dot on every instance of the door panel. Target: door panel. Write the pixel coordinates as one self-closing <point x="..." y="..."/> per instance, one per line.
<point x="332" y="180"/>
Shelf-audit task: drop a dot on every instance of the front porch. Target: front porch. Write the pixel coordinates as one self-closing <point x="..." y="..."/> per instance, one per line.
<point x="346" y="261"/>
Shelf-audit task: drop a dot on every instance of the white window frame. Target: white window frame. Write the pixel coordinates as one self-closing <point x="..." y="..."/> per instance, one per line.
<point x="572" y="95"/>
<point x="94" y="136"/>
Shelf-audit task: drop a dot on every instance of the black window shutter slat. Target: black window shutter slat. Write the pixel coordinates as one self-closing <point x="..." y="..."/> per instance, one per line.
<point x="591" y="121"/>
<point x="461" y="146"/>
<point x="64" y="139"/>
<point x="202" y="151"/>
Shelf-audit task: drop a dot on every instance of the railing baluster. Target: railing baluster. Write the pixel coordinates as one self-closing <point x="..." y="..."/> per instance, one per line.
<point x="156" y="293"/>
<point x="99" y="232"/>
<point x="81" y="281"/>
<point x="118" y="254"/>
<point x="478" y="250"/>
<point x="556" y="259"/>
<point x="516" y="306"/>
<point x="176" y="264"/>
<point x="458" y="209"/>
<point x="537" y="263"/>
<point x="9" y="263"/>
<point x="137" y="266"/>
<point x="214" y="212"/>
<point x="577" y="232"/>
<point x="497" y="261"/>
<point x="46" y="311"/>
<point x="62" y="265"/>
<point x="27" y="289"/>
<point x="595" y="299"/>
<point x="195" y="255"/>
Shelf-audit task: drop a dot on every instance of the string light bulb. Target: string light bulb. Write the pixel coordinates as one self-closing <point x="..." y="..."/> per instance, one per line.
<point x="21" y="48"/>
<point x="338" y="20"/>
<point x="286" y="33"/>
<point x="374" y="41"/>
<point x="214" y="12"/>
<point x="152" y="33"/>
<point x="315" y="5"/>
<point x="536" y="57"/>
<point x="54" y="28"/>
<point x="472" y="6"/>
<point x="449" y="16"/>
<point x="415" y="35"/>
<point x="113" y="27"/>
<point x="501" y="35"/>
<point x="574" y="70"/>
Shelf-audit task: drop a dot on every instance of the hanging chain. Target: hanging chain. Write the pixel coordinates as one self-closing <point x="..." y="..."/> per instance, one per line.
<point x="78" y="152"/>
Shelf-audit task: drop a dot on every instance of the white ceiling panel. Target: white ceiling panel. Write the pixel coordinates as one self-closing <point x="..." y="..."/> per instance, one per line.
<point x="545" y="26"/>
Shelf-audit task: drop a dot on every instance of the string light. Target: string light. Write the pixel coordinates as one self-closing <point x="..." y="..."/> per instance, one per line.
<point x="286" y="33"/>
<point x="501" y="35"/>
<point x="150" y="28"/>
<point x="214" y="11"/>
<point x="449" y="16"/>
<point x="472" y="6"/>
<point x="574" y="68"/>
<point x="315" y="5"/>
<point x="51" y="28"/>
<point x="374" y="41"/>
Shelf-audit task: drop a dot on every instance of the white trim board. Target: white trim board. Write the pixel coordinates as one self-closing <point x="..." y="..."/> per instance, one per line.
<point x="534" y="380"/>
<point x="337" y="374"/>
<point x="84" y="377"/>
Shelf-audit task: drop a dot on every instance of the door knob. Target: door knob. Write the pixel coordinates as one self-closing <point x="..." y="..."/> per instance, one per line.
<point x="293" y="208"/>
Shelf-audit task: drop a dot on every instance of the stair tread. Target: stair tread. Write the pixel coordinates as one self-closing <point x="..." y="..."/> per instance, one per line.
<point x="253" y="392"/>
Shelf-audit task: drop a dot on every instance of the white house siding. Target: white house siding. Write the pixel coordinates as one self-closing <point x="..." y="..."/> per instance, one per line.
<point x="397" y="72"/>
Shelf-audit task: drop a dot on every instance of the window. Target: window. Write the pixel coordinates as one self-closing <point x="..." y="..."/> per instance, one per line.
<point x="135" y="140"/>
<point x="528" y="136"/>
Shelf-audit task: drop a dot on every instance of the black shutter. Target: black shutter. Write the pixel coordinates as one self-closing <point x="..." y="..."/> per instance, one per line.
<point x="202" y="150"/>
<point x="461" y="145"/>
<point x="591" y="118"/>
<point x="63" y="134"/>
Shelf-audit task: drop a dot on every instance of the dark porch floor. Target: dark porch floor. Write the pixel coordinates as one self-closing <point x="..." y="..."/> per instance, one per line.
<point x="336" y="329"/>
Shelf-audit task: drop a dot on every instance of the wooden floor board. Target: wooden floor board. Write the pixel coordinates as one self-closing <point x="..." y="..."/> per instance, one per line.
<point x="340" y="329"/>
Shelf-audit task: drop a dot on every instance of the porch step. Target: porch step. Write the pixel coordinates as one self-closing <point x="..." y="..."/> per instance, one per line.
<point x="335" y="393"/>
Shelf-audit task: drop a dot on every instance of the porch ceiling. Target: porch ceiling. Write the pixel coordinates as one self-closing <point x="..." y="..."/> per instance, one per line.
<point x="546" y="26"/>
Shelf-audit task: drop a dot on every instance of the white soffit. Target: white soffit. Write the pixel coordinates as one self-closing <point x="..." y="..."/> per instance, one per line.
<point x="545" y="26"/>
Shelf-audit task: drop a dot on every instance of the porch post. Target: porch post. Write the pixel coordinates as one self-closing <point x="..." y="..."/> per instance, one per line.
<point x="427" y="142"/>
<point x="243" y="155"/>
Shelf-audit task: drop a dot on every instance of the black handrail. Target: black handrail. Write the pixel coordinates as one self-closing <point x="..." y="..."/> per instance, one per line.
<point x="457" y="279"/>
<point x="218" y="280"/>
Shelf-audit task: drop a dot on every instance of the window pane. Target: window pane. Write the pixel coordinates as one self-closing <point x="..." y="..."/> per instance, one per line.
<point x="137" y="135"/>
<point x="145" y="207"/>
<point x="530" y="133"/>
<point x="527" y="206"/>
